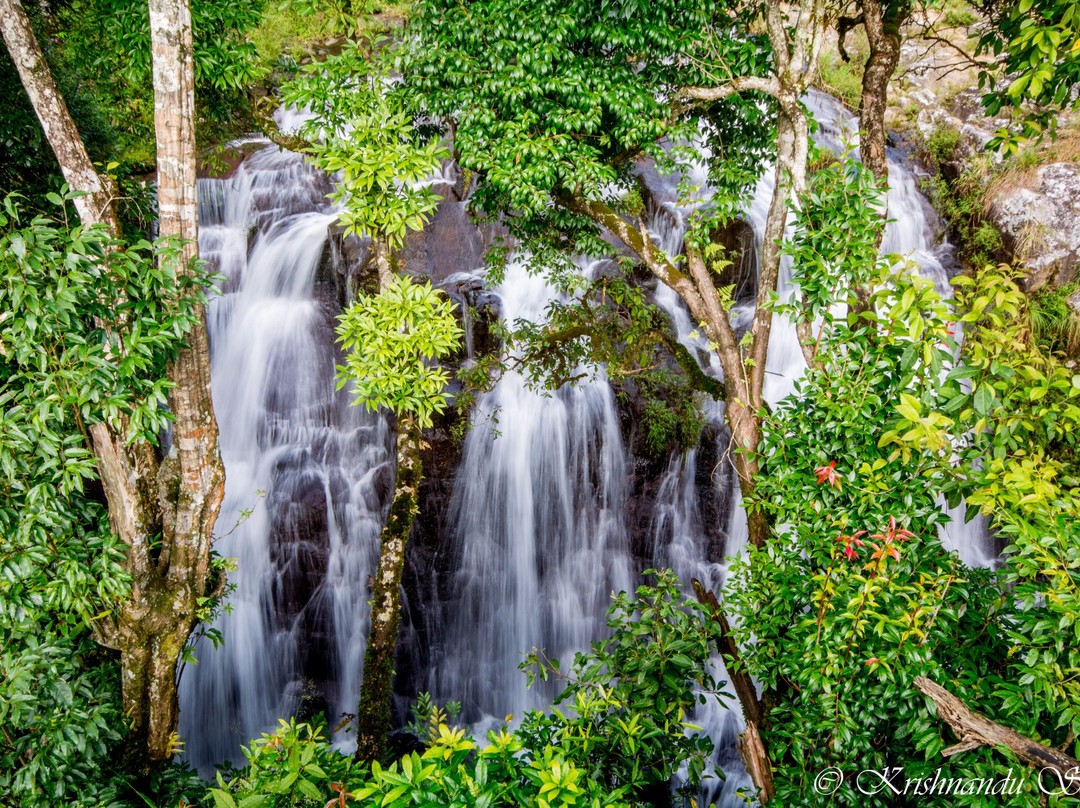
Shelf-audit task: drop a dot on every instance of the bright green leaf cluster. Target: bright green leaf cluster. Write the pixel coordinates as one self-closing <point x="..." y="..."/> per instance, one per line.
<point x="1038" y="42"/>
<point x="391" y="341"/>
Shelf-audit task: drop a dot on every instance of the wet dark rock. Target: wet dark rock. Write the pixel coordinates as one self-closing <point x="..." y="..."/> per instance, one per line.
<point x="400" y="744"/>
<point x="737" y="239"/>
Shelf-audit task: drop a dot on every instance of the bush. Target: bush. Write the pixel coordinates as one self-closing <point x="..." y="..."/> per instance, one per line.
<point x="620" y="742"/>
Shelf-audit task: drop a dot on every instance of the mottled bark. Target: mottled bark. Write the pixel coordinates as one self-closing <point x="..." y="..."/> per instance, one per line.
<point x="882" y="22"/>
<point x="152" y="629"/>
<point x="373" y="713"/>
<point x="97" y="206"/>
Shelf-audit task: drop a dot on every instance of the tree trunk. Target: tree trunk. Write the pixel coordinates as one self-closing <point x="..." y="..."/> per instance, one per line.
<point x="882" y="23"/>
<point x="751" y="747"/>
<point x="373" y="713"/>
<point x="150" y="627"/>
<point x="191" y="482"/>
<point x="96" y="207"/>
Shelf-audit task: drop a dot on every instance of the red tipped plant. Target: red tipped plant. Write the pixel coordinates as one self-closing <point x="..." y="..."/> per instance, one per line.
<point x="850" y="543"/>
<point x="827" y="474"/>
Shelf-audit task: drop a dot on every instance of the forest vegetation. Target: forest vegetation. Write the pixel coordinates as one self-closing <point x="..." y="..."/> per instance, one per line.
<point x="853" y="637"/>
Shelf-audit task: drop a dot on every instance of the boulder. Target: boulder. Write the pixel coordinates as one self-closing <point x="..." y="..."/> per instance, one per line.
<point x="1041" y="225"/>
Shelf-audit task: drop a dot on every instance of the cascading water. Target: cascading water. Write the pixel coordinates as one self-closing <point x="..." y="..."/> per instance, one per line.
<point x="295" y="637"/>
<point x="536" y="534"/>
<point x="678" y="533"/>
<point x="536" y="529"/>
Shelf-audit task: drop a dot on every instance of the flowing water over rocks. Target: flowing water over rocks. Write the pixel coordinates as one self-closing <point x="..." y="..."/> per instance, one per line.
<point x="537" y="535"/>
<point x="314" y="472"/>
<point x="524" y="530"/>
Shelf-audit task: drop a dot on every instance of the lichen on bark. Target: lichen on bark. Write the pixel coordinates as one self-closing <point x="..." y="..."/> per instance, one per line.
<point x="373" y="713"/>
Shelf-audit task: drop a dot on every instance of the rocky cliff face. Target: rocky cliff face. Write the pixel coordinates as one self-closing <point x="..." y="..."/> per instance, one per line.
<point x="1036" y="209"/>
<point x="1041" y="225"/>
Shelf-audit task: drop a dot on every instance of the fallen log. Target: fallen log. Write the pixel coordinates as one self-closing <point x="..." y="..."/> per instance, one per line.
<point x="975" y="730"/>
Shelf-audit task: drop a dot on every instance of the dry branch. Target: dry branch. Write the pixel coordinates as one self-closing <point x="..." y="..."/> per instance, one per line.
<point x="975" y="730"/>
<point x="750" y="745"/>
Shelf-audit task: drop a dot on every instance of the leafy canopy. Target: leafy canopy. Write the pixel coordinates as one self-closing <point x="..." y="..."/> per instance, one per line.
<point x="1038" y="42"/>
<point x="559" y="99"/>
<point x="86" y="329"/>
<point x="856" y="595"/>
<point x="391" y="340"/>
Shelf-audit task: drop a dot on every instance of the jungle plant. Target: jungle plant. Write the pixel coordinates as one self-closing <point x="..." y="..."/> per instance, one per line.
<point x="623" y="737"/>
<point x="392" y="341"/>
<point x="85" y="333"/>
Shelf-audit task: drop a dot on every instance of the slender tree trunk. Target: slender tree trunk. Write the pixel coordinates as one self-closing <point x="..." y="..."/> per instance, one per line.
<point x="96" y="207"/>
<point x="191" y="484"/>
<point x="882" y="22"/>
<point x="373" y="714"/>
<point x="750" y="745"/>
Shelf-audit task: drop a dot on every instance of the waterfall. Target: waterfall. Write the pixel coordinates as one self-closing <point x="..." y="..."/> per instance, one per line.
<point x="536" y="536"/>
<point x="305" y="547"/>
<point x="536" y="530"/>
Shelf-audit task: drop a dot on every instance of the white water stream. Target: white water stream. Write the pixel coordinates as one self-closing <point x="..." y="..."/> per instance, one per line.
<point x="295" y="637"/>
<point x="537" y="536"/>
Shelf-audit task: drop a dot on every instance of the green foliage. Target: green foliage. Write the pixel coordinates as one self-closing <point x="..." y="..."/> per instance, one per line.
<point x="844" y="79"/>
<point x="1039" y="47"/>
<point x="632" y="692"/>
<point x="345" y="17"/>
<point x="942" y="143"/>
<point x="390" y="339"/>
<point x="365" y="132"/>
<point x="99" y="53"/>
<point x="856" y="595"/>
<point x="1055" y="324"/>
<point x="834" y="245"/>
<point x="85" y="331"/>
<point x="670" y="417"/>
<point x="27" y="162"/>
<point x="620" y="745"/>
<point x="114" y="35"/>
<point x="558" y="99"/>
<point x="958" y="14"/>
<point x="293" y="767"/>
<point x="960" y="198"/>
<point x="1022" y="464"/>
<point x="285" y="34"/>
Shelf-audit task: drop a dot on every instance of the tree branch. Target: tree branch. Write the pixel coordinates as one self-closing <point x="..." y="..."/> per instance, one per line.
<point x="843" y="26"/>
<point x="740" y="84"/>
<point x="641" y="245"/>
<point x="976" y="730"/>
<point x="273" y="133"/>
<point x="751" y="746"/>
